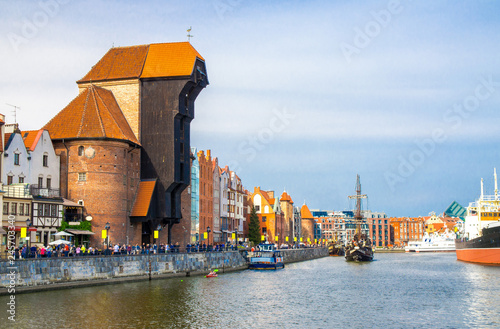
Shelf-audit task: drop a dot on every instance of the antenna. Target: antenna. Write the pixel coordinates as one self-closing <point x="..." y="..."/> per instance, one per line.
<point x="189" y="34"/>
<point x="15" y="111"/>
<point x="496" y="185"/>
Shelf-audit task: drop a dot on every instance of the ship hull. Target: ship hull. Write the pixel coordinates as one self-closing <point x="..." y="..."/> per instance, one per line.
<point x="482" y="250"/>
<point x="487" y="256"/>
<point x="359" y="255"/>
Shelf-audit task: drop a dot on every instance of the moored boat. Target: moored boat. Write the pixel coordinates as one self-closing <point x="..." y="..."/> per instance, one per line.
<point x="266" y="257"/>
<point x="479" y="240"/>
<point x="359" y="249"/>
<point x="335" y="249"/>
<point x="433" y="242"/>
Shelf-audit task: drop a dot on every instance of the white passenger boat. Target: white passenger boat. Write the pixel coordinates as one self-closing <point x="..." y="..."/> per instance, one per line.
<point x="433" y="242"/>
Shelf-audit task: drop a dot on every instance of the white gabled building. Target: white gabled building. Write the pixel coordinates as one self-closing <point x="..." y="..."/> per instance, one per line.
<point x="31" y="178"/>
<point x="16" y="165"/>
<point x="44" y="164"/>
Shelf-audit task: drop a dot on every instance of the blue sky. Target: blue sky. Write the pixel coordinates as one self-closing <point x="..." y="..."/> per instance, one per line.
<point x="303" y="95"/>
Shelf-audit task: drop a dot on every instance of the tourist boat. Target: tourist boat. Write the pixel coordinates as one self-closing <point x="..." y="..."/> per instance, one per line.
<point x="479" y="239"/>
<point x="266" y="257"/>
<point x="359" y="249"/>
<point x="211" y="275"/>
<point x="335" y="249"/>
<point x="433" y="242"/>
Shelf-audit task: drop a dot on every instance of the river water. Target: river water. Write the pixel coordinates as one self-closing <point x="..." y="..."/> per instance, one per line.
<point x="394" y="291"/>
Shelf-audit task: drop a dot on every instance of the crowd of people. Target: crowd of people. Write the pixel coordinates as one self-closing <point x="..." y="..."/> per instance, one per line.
<point x="69" y="250"/>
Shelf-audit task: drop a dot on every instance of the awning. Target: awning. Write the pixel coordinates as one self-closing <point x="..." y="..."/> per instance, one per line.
<point x="80" y="232"/>
<point x="18" y="228"/>
<point x="143" y="198"/>
<point x="69" y="203"/>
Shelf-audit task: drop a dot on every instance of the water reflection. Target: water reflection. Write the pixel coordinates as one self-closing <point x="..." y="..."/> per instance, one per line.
<point x="398" y="290"/>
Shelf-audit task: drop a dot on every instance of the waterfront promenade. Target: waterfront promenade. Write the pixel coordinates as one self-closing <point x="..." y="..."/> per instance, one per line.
<point x="63" y="272"/>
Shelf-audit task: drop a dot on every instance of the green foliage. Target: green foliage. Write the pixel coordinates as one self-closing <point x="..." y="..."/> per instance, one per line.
<point x="84" y="225"/>
<point x="254" y="227"/>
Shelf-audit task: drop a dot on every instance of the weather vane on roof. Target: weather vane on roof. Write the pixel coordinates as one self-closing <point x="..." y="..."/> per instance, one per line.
<point x="189" y="34"/>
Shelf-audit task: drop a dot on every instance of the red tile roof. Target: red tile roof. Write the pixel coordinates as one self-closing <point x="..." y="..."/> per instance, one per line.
<point x="94" y="113"/>
<point x="143" y="198"/>
<point x="286" y="197"/>
<point x="145" y="61"/>
<point x="31" y="138"/>
<point x="169" y="60"/>
<point x="305" y="212"/>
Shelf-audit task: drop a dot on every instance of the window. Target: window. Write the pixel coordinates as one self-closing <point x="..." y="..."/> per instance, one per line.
<point x="53" y="210"/>
<point x="5" y="208"/>
<point x="27" y="209"/>
<point x="9" y="179"/>
<point x="82" y="176"/>
<point x="40" y="182"/>
<point x="45" y="160"/>
<point x="46" y="211"/>
<point x="80" y="150"/>
<point x="264" y="219"/>
<point x="13" y="208"/>
<point x="21" y="179"/>
<point x="16" y="159"/>
<point x="257" y="208"/>
<point x="21" y="209"/>
<point x="49" y="182"/>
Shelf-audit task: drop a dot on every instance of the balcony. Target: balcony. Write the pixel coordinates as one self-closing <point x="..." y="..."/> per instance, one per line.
<point x="17" y="191"/>
<point x="44" y="192"/>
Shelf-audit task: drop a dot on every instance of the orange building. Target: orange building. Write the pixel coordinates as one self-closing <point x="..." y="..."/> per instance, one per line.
<point x="406" y="229"/>
<point x="270" y="215"/>
<point x="307" y="224"/>
<point x="206" y="184"/>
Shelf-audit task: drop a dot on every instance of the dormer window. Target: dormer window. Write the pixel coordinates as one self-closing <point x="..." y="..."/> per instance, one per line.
<point x="80" y="150"/>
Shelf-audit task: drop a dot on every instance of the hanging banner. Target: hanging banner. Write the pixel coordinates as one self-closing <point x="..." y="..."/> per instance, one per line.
<point x="233" y="236"/>
<point x="262" y="238"/>
<point x="286" y="239"/>
<point x="23" y="232"/>
<point x="276" y="238"/>
<point x="295" y="238"/>
<point x="103" y="234"/>
<point x="155" y="235"/>
<point x="205" y="235"/>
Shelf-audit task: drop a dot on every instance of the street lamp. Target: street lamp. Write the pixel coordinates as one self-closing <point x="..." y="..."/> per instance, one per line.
<point x="28" y="224"/>
<point x="236" y="238"/>
<point x="158" y="240"/>
<point x="107" y="227"/>
<point x="208" y="237"/>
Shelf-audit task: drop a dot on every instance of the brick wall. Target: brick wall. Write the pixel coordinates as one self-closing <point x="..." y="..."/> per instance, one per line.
<point x="111" y="171"/>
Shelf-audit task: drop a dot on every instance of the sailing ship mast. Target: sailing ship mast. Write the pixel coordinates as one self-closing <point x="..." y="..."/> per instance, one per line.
<point x="358" y="218"/>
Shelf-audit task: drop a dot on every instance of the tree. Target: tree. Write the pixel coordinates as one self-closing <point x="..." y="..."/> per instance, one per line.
<point x="254" y="227"/>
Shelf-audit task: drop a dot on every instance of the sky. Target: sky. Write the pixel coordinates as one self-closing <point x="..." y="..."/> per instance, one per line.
<point x="303" y="95"/>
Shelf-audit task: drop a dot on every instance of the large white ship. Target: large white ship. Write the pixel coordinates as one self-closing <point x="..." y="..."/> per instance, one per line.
<point x="433" y="242"/>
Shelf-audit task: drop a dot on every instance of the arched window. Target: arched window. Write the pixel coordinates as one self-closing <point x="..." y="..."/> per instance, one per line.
<point x="80" y="150"/>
